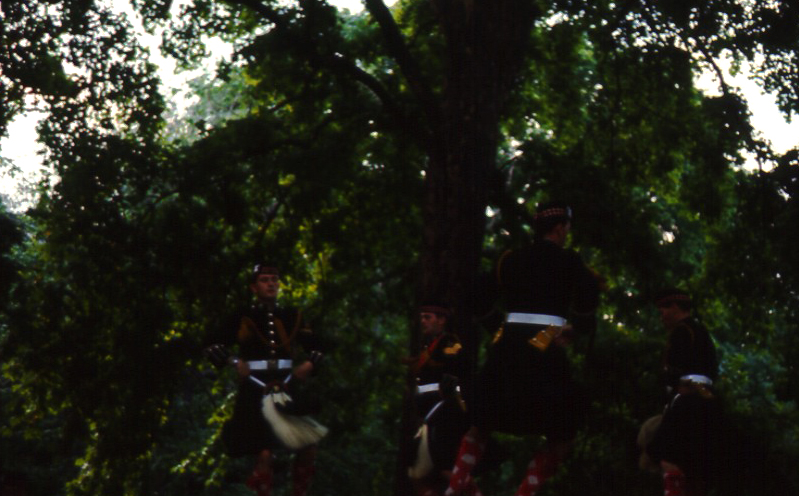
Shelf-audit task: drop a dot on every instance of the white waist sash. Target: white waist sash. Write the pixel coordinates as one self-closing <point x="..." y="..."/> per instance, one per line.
<point x="429" y="388"/>
<point x="535" y="319"/>
<point x="697" y="379"/>
<point x="281" y="364"/>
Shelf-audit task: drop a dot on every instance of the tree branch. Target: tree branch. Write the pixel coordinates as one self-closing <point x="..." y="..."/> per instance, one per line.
<point x="266" y="12"/>
<point x="691" y="43"/>
<point x="343" y="65"/>
<point x="346" y="66"/>
<point x="399" y="51"/>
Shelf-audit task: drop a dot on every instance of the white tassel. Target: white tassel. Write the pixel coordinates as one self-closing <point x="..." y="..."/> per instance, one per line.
<point x="424" y="462"/>
<point x="293" y="431"/>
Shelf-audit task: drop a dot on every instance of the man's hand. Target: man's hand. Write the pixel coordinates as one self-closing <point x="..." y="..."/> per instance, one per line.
<point x="566" y="336"/>
<point x="242" y="368"/>
<point x="303" y="370"/>
<point x="217" y="354"/>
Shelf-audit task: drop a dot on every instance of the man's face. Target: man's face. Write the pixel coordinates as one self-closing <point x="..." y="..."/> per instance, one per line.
<point x="266" y="286"/>
<point x="670" y="314"/>
<point x="431" y="323"/>
<point x="560" y="233"/>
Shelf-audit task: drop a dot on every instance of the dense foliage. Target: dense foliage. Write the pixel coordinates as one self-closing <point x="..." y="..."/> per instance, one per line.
<point x="381" y="158"/>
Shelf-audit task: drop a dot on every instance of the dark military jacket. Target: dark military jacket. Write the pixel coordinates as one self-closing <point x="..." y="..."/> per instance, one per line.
<point x="261" y="333"/>
<point x="545" y="278"/>
<point x="689" y="350"/>
<point x="441" y="355"/>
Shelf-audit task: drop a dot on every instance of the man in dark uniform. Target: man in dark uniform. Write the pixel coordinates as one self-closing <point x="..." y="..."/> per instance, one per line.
<point x="685" y="437"/>
<point x="525" y="386"/>
<point x="265" y="417"/>
<point x="437" y="401"/>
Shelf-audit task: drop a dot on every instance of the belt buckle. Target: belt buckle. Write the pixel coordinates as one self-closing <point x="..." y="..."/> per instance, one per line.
<point x="689" y="385"/>
<point x="544" y="337"/>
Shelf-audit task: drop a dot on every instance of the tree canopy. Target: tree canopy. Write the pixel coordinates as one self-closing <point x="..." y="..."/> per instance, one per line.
<point x="384" y="157"/>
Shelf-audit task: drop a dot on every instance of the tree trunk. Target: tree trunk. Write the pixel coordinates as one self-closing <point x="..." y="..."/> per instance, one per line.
<point x="486" y="42"/>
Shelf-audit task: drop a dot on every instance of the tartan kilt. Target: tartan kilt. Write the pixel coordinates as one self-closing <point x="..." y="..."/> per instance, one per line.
<point x="523" y="390"/>
<point x="249" y="431"/>
<point x="690" y="436"/>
